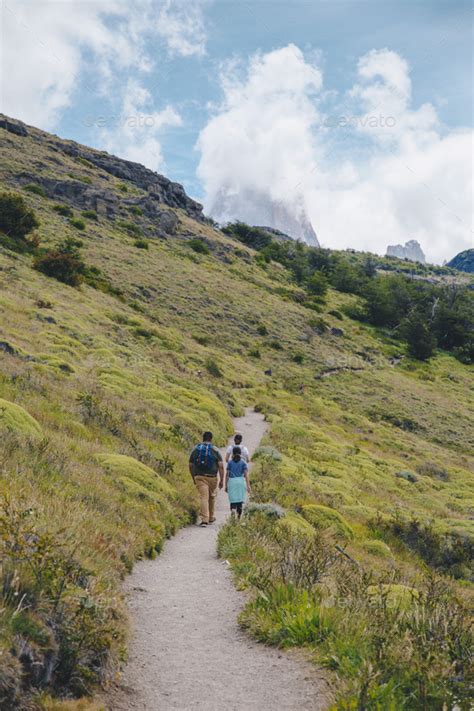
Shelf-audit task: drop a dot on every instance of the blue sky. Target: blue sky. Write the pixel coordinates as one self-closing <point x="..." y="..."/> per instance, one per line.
<point x="199" y="71"/>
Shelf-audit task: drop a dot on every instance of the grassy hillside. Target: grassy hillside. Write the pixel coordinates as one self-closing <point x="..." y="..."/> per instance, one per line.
<point x="105" y="387"/>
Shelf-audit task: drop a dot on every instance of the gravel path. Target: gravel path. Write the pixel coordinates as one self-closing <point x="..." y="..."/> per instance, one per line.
<point x="187" y="650"/>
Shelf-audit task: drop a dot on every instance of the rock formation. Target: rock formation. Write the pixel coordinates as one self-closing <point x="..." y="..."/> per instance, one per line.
<point x="464" y="261"/>
<point x="411" y="251"/>
<point x="258" y="208"/>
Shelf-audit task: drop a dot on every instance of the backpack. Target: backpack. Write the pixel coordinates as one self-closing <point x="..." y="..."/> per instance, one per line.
<point x="205" y="461"/>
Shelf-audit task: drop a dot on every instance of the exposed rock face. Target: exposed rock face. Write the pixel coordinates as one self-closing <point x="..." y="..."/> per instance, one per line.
<point x="161" y="191"/>
<point x="464" y="261"/>
<point x="411" y="251"/>
<point x="257" y="208"/>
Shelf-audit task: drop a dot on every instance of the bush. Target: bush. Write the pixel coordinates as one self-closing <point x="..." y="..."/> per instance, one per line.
<point x="130" y="227"/>
<point x="78" y="223"/>
<point x="63" y="263"/>
<point x="213" y="368"/>
<point x="135" y="210"/>
<point x="63" y="210"/>
<point x="198" y="245"/>
<point x="17" y="220"/>
<point x="141" y="244"/>
<point x="298" y="358"/>
<point x="262" y="330"/>
<point x="435" y="471"/>
<point x="90" y="214"/>
<point x="251" y="236"/>
<point x="35" y="189"/>
<point x="317" y="284"/>
<point x="122" y="187"/>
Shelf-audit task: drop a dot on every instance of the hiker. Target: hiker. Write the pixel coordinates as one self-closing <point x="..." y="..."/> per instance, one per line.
<point x="244" y="452"/>
<point x="207" y="470"/>
<point x="237" y="483"/>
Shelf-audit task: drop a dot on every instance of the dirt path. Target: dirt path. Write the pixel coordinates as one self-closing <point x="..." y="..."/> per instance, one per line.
<point x="187" y="650"/>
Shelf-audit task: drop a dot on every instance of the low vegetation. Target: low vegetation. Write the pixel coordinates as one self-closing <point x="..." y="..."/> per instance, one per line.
<point x="113" y="360"/>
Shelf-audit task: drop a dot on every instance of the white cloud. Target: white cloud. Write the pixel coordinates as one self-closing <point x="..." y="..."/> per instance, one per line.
<point x="44" y="51"/>
<point x="134" y="133"/>
<point x="54" y="48"/>
<point x="181" y="24"/>
<point x="366" y="182"/>
<point x="261" y="139"/>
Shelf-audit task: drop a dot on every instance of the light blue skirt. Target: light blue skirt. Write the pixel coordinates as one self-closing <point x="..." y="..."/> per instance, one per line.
<point x="236" y="489"/>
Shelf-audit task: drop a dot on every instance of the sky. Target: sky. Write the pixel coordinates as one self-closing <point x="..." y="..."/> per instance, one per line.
<point x="358" y="110"/>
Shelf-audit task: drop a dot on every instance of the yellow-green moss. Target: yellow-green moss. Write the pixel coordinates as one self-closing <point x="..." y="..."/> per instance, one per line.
<point x="140" y="474"/>
<point x="14" y="418"/>
<point x="323" y="517"/>
<point x="377" y="548"/>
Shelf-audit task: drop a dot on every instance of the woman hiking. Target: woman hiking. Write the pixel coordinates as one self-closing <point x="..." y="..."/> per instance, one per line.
<point x="237" y="484"/>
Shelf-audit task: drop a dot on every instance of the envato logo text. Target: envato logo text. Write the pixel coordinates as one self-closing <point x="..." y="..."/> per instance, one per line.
<point x="131" y="121"/>
<point x="367" y="121"/>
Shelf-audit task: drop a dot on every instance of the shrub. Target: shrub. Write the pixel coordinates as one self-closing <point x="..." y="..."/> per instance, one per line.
<point x="141" y="244"/>
<point x="135" y="210"/>
<point x="298" y="358"/>
<point x="267" y="452"/>
<point x="262" y="330"/>
<point x="323" y="517"/>
<point x="130" y="227"/>
<point x="90" y="214"/>
<point x="336" y="314"/>
<point x="17" y="220"/>
<point x="78" y="223"/>
<point x="447" y="552"/>
<point x="213" y="368"/>
<point x="63" y="210"/>
<point x="420" y="339"/>
<point x="63" y="263"/>
<point x="35" y="189"/>
<point x="199" y="246"/>
<point x="122" y="187"/>
<point x="433" y="470"/>
<point x="318" y="284"/>
<point x="251" y="236"/>
<point x="202" y="339"/>
<point x="254" y="353"/>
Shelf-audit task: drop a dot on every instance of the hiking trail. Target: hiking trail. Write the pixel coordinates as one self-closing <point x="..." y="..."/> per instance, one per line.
<point x="187" y="650"/>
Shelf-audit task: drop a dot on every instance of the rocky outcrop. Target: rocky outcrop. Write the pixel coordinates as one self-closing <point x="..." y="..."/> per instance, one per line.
<point x="161" y="190"/>
<point x="464" y="261"/>
<point x="257" y="208"/>
<point x="12" y="126"/>
<point x="411" y="251"/>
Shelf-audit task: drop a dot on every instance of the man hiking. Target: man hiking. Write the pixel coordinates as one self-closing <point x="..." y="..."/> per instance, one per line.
<point x="207" y="470"/>
<point x="244" y="452"/>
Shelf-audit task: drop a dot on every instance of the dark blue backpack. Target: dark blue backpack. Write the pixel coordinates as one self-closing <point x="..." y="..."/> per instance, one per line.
<point x="205" y="460"/>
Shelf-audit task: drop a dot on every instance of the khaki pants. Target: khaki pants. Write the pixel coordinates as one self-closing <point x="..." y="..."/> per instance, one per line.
<point x="207" y="488"/>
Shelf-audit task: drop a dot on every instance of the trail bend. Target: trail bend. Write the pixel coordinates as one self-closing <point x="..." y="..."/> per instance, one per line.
<point x="187" y="650"/>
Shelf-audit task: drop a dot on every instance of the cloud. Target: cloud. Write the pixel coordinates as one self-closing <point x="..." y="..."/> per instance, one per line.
<point x="181" y="24"/>
<point x="261" y="137"/>
<point x="45" y="45"/>
<point x="134" y="132"/>
<point x="369" y="168"/>
<point x="57" y="51"/>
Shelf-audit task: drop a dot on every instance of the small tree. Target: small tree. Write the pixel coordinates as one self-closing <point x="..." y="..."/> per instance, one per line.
<point x="17" y="220"/>
<point x="420" y="339"/>
<point x="317" y="284"/>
